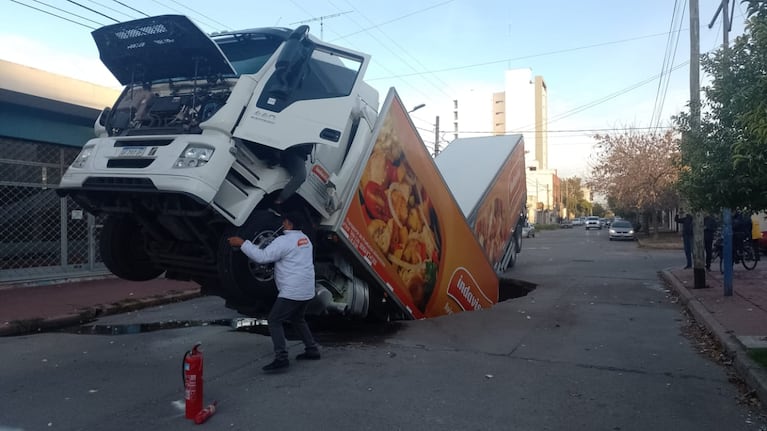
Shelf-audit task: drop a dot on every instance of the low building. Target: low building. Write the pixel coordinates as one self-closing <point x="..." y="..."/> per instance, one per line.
<point x="44" y="120"/>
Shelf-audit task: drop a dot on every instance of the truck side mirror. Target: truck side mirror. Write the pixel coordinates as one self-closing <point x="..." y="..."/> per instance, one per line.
<point x="104" y="115"/>
<point x="292" y="52"/>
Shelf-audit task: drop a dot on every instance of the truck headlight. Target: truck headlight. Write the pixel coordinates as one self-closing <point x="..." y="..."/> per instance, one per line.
<point x="83" y="157"/>
<point x="194" y="155"/>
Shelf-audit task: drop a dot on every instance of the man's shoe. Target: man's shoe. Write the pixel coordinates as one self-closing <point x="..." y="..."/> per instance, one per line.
<point x="276" y="364"/>
<point x="308" y="356"/>
<point x="687" y="267"/>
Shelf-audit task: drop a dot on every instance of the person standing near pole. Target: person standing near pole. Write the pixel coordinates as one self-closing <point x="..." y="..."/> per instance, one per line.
<point x="292" y="255"/>
<point x="709" y="229"/>
<point x="686" y="223"/>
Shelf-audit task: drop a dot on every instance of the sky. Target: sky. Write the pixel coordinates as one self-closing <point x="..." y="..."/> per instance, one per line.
<point x="608" y="64"/>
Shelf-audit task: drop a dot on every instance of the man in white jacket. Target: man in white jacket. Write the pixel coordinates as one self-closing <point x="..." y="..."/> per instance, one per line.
<point x="292" y="255"/>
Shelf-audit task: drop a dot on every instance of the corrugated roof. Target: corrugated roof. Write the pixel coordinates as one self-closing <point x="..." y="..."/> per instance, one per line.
<point x="469" y="166"/>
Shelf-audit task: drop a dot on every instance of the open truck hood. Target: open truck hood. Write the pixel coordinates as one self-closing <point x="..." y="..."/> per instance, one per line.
<point x="157" y="48"/>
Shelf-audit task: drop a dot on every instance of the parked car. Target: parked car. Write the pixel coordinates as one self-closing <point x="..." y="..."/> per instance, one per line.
<point x="622" y="229"/>
<point x="565" y="224"/>
<point x="528" y="230"/>
<point x="592" y="222"/>
<point x="578" y="221"/>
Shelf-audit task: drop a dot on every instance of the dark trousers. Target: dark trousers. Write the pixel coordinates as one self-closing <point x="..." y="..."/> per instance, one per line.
<point x="708" y="246"/>
<point x="289" y="310"/>
<point x="687" y="239"/>
<point x="737" y="245"/>
<point x="294" y="162"/>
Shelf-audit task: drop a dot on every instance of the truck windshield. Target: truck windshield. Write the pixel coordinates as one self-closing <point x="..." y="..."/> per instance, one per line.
<point x="248" y="53"/>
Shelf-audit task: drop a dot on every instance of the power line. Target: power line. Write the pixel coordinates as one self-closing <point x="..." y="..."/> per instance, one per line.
<point x="93" y="10"/>
<point x="580" y="131"/>
<point x="129" y="7"/>
<point x="381" y="65"/>
<point x="668" y="76"/>
<point x="612" y="95"/>
<point x="524" y="57"/>
<point x="665" y="63"/>
<point x="53" y="14"/>
<point x="440" y="88"/>
<point x="321" y="19"/>
<point x="224" y="26"/>
<point x="66" y="11"/>
<point x="398" y="18"/>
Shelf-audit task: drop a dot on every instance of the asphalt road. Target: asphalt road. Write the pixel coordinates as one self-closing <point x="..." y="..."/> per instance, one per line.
<point x="597" y="346"/>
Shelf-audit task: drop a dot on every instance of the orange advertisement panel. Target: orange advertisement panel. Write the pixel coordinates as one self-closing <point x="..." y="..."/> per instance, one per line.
<point x="494" y="220"/>
<point x="406" y="225"/>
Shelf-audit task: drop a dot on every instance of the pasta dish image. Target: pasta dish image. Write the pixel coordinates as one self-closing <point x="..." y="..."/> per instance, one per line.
<point x="402" y="222"/>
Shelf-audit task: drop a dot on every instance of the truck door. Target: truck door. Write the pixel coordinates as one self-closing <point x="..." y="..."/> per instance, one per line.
<point x="308" y="98"/>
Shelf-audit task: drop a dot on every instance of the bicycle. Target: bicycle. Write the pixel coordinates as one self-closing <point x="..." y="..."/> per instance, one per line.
<point x="745" y="254"/>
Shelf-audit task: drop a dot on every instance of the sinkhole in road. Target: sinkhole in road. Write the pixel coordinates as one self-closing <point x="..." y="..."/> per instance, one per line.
<point x="138" y="328"/>
<point x="327" y="330"/>
<point x="510" y="288"/>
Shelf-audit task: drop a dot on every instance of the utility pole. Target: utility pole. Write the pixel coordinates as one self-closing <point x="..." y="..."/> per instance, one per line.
<point x="726" y="212"/>
<point x="699" y="270"/>
<point x="537" y="199"/>
<point x="548" y="204"/>
<point x="567" y="202"/>
<point x="436" y="136"/>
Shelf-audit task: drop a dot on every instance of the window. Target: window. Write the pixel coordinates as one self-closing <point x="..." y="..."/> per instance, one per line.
<point x="248" y="53"/>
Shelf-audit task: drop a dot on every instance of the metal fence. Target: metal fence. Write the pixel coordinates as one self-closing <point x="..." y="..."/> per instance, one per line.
<point x="42" y="236"/>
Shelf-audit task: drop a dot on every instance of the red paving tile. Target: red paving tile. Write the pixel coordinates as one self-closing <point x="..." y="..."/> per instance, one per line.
<point x="59" y="301"/>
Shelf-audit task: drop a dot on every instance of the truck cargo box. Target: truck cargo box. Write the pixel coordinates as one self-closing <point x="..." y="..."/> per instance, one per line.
<point x="487" y="177"/>
<point x="405" y="226"/>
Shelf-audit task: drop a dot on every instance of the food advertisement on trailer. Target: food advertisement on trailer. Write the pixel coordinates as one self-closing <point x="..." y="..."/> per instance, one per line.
<point x="406" y="225"/>
<point x="494" y="220"/>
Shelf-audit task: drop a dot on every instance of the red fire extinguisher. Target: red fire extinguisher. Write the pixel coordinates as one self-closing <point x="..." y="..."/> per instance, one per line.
<point x="192" y="370"/>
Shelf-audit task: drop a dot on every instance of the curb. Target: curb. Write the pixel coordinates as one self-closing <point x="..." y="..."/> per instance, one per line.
<point x="658" y="246"/>
<point x="754" y="375"/>
<point x="89" y="314"/>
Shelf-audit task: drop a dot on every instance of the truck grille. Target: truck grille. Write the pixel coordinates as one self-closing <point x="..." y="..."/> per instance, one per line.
<point x="119" y="183"/>
<point x="129" y="163"/>
<point x="143" y="143"/>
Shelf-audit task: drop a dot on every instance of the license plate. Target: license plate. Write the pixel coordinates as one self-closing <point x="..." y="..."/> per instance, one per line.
<point x="132" y="151"/>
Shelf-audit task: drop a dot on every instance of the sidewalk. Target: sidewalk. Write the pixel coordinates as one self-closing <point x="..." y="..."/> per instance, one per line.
<point x="28" y="309"/>
<point x="739" y="321"/>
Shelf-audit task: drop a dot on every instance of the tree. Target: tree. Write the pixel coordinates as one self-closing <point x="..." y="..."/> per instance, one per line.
<point x="725" y="165"/>
<point x="572" y="192"/>
<point x="638" y="172"/>
<point x="597" y="209"/>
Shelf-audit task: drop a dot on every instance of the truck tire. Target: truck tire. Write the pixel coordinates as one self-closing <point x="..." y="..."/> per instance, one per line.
<point x="123" y="252"/>
<point x="248" y="287"/>
<point x="515" y="249"/>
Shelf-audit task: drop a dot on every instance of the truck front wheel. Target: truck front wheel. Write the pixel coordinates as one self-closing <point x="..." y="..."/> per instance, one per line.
<point x="515" y="248"/>
<point x="249" y="285"/>
<point x="123" y="251"/>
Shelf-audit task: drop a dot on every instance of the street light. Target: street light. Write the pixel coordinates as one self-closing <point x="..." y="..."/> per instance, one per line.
<point x="417" y="108"/>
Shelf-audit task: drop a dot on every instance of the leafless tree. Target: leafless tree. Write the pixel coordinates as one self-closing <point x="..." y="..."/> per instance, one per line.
<point x="637" y="170"/>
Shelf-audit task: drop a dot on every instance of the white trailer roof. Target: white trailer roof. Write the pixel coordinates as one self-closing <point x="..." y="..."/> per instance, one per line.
<point x="470" y="165"/>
